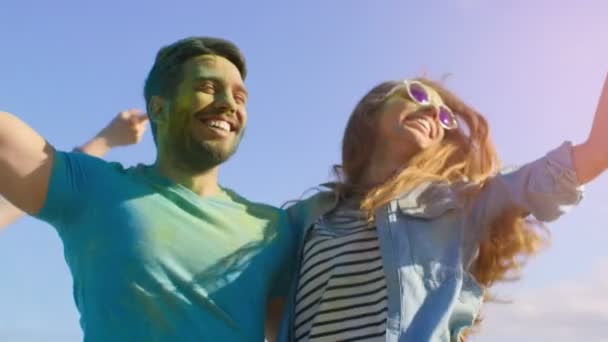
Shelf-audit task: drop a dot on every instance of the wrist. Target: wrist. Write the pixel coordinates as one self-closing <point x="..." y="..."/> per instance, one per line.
<point x="597" y="154"/>
<point x="102" y="139"/>
<point x="589" y="161"/>
<point x="98" y="146"/>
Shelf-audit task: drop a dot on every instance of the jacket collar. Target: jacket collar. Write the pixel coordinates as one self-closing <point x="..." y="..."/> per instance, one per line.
<point x="431" y="199"/>
<point x="427" y="200"/>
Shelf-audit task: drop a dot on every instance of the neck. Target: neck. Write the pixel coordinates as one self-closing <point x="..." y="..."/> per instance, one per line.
<point x="203" y="183"/>
<point x="379" y="172"/>
<point x="382" y="166"/>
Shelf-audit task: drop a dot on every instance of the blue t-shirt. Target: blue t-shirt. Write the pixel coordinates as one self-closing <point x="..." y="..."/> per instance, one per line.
<point x="152" y="261"/>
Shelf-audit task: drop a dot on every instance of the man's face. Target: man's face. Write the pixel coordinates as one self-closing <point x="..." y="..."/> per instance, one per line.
<point x="205" y="120"/>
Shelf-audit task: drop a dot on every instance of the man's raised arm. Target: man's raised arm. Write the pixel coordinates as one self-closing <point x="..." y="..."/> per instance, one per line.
<point x="26" y="160"/>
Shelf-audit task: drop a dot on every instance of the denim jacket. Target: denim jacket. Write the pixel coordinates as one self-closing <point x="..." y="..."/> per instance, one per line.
<point x="428" y="240"/>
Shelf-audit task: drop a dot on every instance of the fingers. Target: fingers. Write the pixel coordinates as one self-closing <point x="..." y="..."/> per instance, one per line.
<point x="130" y="114"/>
<point x="136" y="118"/>
<point x="142" y="118"/>
<point x="127" y="114"/>
<point x="139" y="124"/>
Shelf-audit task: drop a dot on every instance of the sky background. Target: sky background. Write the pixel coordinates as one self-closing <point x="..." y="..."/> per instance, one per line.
<point x="534" y="68"/>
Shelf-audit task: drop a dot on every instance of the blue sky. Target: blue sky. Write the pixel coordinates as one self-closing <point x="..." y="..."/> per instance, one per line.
<point x="534" y="68"/>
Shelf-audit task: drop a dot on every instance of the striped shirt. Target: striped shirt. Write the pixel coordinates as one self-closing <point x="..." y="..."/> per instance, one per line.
<point x="341" y="293"/>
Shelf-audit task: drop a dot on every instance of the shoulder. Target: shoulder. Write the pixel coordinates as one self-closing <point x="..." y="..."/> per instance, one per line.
<point x="78" y="161"/>
<point x="306" y="210"/>
<point x="256" y="208"/>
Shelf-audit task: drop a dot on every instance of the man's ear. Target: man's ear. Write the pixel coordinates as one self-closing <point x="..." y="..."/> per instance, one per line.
<point x="156" y="109"/>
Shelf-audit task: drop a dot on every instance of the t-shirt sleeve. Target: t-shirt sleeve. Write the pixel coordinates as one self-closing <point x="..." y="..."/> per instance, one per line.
<point x="284" y="278"/>
<point x="70" y="189"/>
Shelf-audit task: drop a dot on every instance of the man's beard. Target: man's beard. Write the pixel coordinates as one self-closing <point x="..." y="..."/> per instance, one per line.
<point x="197" y="156"/>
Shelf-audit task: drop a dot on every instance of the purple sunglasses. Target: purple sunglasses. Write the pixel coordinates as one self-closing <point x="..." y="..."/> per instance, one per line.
<point x="418" y="93"/>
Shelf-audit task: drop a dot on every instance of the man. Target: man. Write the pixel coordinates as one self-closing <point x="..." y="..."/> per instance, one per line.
<point x="161" y="252"/>
<point x="126" y="128"/>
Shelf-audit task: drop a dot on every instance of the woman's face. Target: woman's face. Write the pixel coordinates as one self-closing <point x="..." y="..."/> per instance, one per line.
<point x="405" y="127"/>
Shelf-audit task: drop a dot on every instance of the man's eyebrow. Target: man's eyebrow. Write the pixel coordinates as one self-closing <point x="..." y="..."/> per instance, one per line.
<point x="207" y="78"/>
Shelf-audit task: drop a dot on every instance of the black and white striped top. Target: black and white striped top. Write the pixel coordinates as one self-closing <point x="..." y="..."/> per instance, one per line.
<point x="341" y="292"/>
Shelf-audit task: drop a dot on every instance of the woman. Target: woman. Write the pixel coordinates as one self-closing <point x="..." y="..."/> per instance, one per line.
<point x="125" y="129"/>
<point x="421" y="222"/>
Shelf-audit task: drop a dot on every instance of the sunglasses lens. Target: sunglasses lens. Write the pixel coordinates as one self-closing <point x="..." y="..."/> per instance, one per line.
<point x="419" y="93"/>
<point x="447" y="118"/>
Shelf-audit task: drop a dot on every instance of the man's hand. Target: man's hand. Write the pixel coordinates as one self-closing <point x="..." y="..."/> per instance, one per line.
<point x="127" y="128"/>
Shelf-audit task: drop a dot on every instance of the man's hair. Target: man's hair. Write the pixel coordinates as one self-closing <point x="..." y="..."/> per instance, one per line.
<point x="166" y="73"/>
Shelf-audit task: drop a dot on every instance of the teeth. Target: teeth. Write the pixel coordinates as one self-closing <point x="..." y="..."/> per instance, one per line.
<point x="424" y="123"/>
<point x="223" y="125"/>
